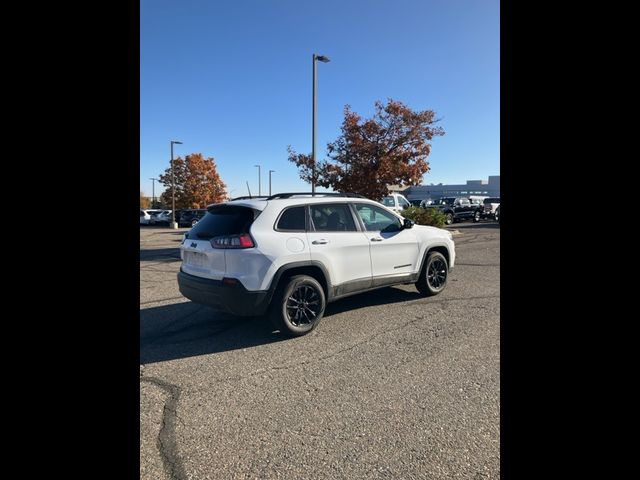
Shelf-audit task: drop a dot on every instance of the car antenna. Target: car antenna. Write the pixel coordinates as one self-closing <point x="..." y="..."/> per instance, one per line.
<point x="248" y="189"/>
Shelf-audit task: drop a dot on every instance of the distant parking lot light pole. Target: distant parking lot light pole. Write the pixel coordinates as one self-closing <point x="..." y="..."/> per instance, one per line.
<point x="259" y="188"/>
<point x="323" y="59"/>
<point x="174" y="225"/>
<point x="270" y="171"/>
<point x="153" y="191"/>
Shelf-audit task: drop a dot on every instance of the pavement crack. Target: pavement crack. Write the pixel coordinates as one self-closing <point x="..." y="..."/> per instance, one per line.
<point x="166" y="441"/>
<point x="442" y="303"/>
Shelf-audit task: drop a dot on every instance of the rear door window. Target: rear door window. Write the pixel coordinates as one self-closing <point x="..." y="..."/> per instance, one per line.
<point x="332" y="217"/>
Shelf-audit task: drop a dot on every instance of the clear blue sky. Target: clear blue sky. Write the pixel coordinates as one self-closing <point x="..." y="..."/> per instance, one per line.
<point x="232" y="80"/>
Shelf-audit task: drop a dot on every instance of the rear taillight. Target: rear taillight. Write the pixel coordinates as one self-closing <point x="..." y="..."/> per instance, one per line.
<point x="233" y="241"/>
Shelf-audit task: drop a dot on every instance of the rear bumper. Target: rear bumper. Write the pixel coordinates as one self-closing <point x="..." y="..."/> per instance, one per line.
<point x="234" y="299"/>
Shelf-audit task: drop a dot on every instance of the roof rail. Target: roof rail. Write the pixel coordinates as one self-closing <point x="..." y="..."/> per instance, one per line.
<point x="316" y="194"/>
<point x="247" y="197"/>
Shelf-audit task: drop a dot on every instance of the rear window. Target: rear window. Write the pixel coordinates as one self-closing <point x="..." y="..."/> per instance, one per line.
<point x="292" y="219"/>
<point x="222" y="221"/>
<point x="388" y="202"/>
<point x="491" y="200"/>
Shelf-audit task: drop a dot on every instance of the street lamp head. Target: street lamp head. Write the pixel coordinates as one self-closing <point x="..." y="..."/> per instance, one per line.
<point x="257" y="166"/>
<point x="176" y="142"/>
<point x="323" y="58"/>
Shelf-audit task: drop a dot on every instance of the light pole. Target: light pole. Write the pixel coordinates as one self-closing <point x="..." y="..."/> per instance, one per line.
<point x="153" y="191"/>
<point x="174" y="225"/>
<point x="323" y="59"/>
<point x="270" y="181"/>
<point x="259" y="188"/>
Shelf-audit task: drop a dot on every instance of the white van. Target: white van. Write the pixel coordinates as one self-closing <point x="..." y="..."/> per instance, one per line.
<point x="396" y="202"/>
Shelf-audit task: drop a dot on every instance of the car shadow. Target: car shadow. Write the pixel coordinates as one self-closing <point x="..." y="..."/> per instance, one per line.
<point x="184" y="330"/>
<point x="382" y="296"/>
<point x="153" y="254"/>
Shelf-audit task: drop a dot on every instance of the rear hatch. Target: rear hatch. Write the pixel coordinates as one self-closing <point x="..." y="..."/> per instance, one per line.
<point x="222" y="227"/>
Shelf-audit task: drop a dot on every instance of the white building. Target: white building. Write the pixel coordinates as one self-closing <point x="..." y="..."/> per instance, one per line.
<point x="489" y="188"/>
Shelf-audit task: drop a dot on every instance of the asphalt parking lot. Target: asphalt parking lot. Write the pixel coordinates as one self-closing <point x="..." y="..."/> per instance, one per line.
<point x="390" y="385"/>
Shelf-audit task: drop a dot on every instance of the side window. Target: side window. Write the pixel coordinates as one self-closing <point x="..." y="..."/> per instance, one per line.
<point x="332" y="217"/>
<point x="141" y="213"/>
<point x="403" y="202"/>
<point x="292" y="219"/>
<point x="376" y="219"/>
<point x="464" y="201"/>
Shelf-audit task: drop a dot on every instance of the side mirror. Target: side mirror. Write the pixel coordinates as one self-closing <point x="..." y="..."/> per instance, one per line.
<point x="408" y="223"/>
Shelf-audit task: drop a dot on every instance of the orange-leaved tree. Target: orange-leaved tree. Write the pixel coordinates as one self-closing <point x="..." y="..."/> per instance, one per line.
<point x="197" y="182"/>
<point x="369" y="155"/>
<point x="145" y="202"/>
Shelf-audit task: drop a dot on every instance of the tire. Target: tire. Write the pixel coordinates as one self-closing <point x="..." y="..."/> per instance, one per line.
<point x="476" y="217"/>
<point x="449" y="219"/>
<point x="434" y="275"/>
<point x="285" y="314"/>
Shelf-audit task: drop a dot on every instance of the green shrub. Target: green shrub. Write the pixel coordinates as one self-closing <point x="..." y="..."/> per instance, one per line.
<point x="425" y="216"/>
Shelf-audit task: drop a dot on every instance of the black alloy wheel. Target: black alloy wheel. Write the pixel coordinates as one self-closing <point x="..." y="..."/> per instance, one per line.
<point x="434" y="274"/>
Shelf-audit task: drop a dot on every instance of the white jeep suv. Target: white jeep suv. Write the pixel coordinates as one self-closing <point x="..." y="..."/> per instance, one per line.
<point x="290" y="254"/>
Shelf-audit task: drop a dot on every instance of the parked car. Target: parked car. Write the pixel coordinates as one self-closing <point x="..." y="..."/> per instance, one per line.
<point x="478" y="202"/>
<point x="396" y="202"/>
<point x="289" y="255"/>
<point x="178" y="213"/>
<point x="490" y="207"/>
<point x="190" y="217"/>
<point x="457" y="209"/>
<point x="145" y="216"/>
<point x="161" y="218"/>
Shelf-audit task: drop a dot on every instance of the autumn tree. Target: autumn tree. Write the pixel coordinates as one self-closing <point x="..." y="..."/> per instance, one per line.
<point x="369" y="155"/>
<point x="144" y="201"/>
<point x="197" y="182"/>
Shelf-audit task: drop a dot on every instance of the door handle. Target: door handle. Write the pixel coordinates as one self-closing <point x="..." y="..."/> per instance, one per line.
<point x="376" y="239"/>
<point x="320" y="242"/>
